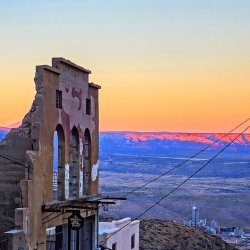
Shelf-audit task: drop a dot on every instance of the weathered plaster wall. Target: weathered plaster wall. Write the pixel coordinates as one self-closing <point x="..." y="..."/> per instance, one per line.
<point x="75" y="90"/>
<point x="32" y="144"/>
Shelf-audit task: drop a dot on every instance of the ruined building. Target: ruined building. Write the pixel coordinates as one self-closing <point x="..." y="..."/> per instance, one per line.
<point x="37" y="196"/>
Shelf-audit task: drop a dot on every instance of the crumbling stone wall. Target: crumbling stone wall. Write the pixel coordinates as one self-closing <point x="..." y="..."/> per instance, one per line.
<point x="15" y="163"/>
<point x="15" y="145"/>
<point x="27" y="184"/>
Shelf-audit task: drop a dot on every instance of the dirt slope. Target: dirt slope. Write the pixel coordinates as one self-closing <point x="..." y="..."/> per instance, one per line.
<point x="164" y="235"/>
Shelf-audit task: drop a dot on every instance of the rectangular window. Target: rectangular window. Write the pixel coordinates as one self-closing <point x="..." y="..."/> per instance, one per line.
<point x="133" y="241"/>
<point x="114" y="246"/>
<point x="88" y="106"/>
<point x="58" y="99"/>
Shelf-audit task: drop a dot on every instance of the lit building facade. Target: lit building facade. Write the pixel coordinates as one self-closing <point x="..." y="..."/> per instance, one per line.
<point x="120" y="235"/>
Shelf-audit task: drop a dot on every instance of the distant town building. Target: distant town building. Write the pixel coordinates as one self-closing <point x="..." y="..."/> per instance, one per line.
<point x="210" y="230"/>
<point x="214" y="227"/>
<point x="187" y="223"/>
<point x="218" y="229"/>
<point x="202" y="223"/>
<point x="195" y="216"/>
<point x="126" y="234"/>
<point x="214" y="224"/>
<point x="238" y="232"/>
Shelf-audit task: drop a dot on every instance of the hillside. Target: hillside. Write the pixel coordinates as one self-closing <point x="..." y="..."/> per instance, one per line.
<point x="165" y="235"/>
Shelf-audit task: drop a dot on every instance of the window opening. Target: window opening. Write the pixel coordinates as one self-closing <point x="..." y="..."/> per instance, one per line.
<point x="55" y="166"/>
<point x="74" y="165"/>
<point x="58" y="163"/>
<point x="87" y="162"/>
<point x="88" y="106"/>
<point x="114" y="246"/>
<point x="133" y="241"/>
<point x="58" y="99"/>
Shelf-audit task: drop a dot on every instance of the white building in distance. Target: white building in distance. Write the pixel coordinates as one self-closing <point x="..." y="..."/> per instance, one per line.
<point x="120" y="234"/>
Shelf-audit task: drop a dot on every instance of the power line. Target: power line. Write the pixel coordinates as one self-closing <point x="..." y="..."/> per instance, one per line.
<point x="13" y="159"/>
<point x="18" y="161"/>
<point x="181" y="184"/>
<point x="53" y="217"/>
<point x="197" y="171"/>
<point x="51" y="235"/>
<point x="48" y="216"/>
<point x="4" y="240"/>
<point x="190" y="158"/>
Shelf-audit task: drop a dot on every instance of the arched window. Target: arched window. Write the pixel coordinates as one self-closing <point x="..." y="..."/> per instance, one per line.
<point x="87" y="162"/>
<point x="58" y="163"/>
<point x="74" y="164"/>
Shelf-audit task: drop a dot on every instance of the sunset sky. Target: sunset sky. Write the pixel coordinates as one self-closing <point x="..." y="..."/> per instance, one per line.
<point x="165" y="65"/>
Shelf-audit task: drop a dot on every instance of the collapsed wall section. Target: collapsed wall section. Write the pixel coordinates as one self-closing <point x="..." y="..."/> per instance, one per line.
<point x="16" y="163"/>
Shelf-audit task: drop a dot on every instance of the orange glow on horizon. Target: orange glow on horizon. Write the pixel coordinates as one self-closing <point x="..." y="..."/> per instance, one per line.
<point x="165" y="66"/>
<point x="159" y="102"/>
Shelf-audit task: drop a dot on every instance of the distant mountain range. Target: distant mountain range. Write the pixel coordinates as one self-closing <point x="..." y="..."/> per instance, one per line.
<point x="164" y="143"/>
<point x="170" y="143"/>
<point x="4" y="129"/>
<point x="206" y="138"/>
<point x="9" y="127"/>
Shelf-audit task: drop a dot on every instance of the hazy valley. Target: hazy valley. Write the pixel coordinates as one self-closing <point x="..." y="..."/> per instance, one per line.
<point x="221" y="190"/>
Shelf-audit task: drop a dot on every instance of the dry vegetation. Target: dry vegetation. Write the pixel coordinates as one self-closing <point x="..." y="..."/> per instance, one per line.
<point x="164" y="235"/>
